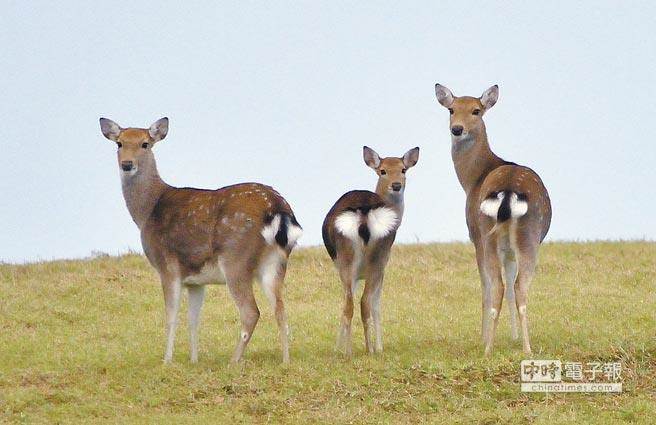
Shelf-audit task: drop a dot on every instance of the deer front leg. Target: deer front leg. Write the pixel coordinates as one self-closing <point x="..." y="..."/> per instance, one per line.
<point x="485" y="291"/>
<point x="172" y="288"/>
<point x="510" y="273"/>
<point x="196" y="297"/>
<point x="493" y="271"/>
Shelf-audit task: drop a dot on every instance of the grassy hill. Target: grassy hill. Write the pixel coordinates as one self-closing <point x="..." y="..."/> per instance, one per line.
<point x="83" y="341"/>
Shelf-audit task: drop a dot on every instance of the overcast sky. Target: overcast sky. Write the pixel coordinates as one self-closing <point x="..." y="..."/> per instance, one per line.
<point x="287" y="93"/>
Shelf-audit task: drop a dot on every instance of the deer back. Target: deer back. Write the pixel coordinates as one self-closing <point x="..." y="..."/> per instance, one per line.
<point x="196" y="227"/>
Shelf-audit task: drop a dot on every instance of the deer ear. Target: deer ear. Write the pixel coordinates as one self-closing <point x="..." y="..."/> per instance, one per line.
<point x="444" y="95"/>
<point x="411" y="157"/>
<point x="490" y="97"/>
<point x="370" y="156"/>
<point x="110" y="129"/>
<point x="159" y="129"/>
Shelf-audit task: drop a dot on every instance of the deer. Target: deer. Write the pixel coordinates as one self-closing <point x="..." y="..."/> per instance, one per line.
<point x="358" y="233"/>
<point x="508" y="213"/>
<point x="195" y="237"/>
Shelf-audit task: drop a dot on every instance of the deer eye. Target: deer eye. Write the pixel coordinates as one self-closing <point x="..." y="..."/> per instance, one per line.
<point x="404" y="170"/>
<point x="451" y="111"/>
<point x="476" y="111"/>
<point x="145" y="146"/>
<point x="120" y="145"/>
<point x="383" y="172"/>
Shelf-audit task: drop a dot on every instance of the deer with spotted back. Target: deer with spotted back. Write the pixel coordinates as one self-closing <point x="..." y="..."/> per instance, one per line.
<point x="358" y="233"/>
<point x="508" y="213"/>
<point x="194" y="237"/>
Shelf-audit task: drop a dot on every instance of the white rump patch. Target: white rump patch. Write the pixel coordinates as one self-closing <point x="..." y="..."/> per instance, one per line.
<point x="381" y="221"/>
<point x="490" y="206"/>
<point x="347" y="224"/>
<point x="517" y="208"/>
<point x="293" y="234"/>
<point x="269" y="231"/>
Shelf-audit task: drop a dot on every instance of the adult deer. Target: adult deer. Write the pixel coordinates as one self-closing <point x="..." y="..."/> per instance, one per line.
<point x="194" y="237"/>
<point x="358" y="232"/>
<point x="508" y="213"/>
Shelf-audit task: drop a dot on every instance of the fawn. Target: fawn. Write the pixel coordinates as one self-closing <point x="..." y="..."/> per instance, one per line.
<point x="508" y="213"/>
<point x="194" y="237"/>
<point x="358" y="233"/>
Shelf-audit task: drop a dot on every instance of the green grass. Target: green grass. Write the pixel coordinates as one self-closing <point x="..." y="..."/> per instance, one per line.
<point x="83" y="341"/>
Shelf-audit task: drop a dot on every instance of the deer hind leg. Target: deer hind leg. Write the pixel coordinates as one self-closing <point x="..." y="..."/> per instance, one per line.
<point x="377" y="316"/>
<point x="510" y="274"/>
<point x="367" y="316"/>
<point x="493" y="271"/>
<point x="526" y="269"/>
<point x="272" y="277"/>
<point x="172" y="287"/>
<point x="349" y="283"/>
<point x="370" y="308"/>
<point x="196" y="297"/>
<point x="241" y="290"/>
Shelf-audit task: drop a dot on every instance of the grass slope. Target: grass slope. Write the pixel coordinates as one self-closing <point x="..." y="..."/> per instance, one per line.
<point x="83" y="341"/>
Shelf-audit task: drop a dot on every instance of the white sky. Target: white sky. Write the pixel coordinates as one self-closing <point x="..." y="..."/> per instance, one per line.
<point x="287" y="93"/>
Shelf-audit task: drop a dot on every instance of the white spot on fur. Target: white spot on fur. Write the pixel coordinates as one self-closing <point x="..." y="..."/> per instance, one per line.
<point x="517" y="207"/>
<point x="381" y="221"/>
<point x="347" y="224"/>
<point x="490" y="206"/>
<point x="293" y="234"/>
<point x="269" y="231"/>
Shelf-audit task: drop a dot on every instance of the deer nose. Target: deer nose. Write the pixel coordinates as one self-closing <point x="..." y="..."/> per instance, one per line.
<point x="126" y="165"/>
<point x="396" y="186"/>
<point x="456" y="130"/>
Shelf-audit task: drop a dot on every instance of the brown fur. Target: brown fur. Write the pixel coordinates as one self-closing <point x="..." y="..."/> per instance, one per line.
<point x="195" y="226"/>
<point x="512" y="245"/>
<point x="362" y="258"/>
<point x="193" y="237"/>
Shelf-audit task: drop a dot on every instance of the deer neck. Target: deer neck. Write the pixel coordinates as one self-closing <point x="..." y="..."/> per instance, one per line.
<point x="393" y="200"/>
<point x="473" y="159"/>
<point x="142" y="190"/>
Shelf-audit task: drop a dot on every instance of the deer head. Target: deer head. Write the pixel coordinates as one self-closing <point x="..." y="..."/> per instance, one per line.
<point x="134" y="144"/>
